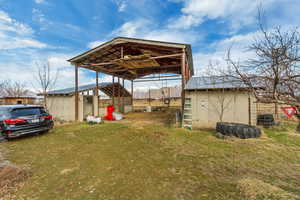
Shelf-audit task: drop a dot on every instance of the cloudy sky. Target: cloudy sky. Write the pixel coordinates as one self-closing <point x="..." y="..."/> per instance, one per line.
<point x="34" y="31"/>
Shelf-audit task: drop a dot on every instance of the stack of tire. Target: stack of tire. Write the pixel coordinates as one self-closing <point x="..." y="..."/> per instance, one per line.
<point x="265" y="120"/>
<point x="242" y="131"/>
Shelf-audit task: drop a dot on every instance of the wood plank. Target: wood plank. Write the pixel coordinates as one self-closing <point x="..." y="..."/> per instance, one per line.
<point x="170" y="79"/>
<point x="183" y="81"/>
<point x="76" y="93"/>
<point x="119" y="108"/>
<point x="132" y="94"/>
<point x="150" y="58"/>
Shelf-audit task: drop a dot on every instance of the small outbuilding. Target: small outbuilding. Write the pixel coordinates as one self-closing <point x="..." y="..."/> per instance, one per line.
<point x="9" y="100"/>
<point x="61" y="103"/>
<point x="209" y="100"/>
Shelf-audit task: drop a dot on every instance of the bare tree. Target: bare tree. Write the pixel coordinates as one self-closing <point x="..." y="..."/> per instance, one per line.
<point x="1" y="88"/>
<point x="14" y="89"/>
<point x="275" y="67"/>
<point x="223" y="101"/>
<point x="45" y="79"/>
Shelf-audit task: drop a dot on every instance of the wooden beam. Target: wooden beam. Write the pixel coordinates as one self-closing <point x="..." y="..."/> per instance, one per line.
<point x="113" y="90"/>
<point x="183" y="83"/>
<point x="170" y="79"/>
<point x="132" y="59"/>
<point x="132" y="94"/>
<point x="167" y="56"/>
<point x="123" y="95"/>
<point x="159" y="77"/>
<point x="122" y="52"/>
<point x="97" y="94"/>
<point x="76" y="93"/>
<point x="119" y="105"/>
<point x="122" y="56"/>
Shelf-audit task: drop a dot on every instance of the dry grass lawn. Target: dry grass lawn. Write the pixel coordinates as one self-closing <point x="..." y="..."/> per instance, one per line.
<point x="136" y="159"/>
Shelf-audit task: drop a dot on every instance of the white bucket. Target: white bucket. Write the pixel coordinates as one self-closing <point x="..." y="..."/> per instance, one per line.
<point x="117" y="116"/>
<point x="148" y="109"/>
<point x="92" y="119"/>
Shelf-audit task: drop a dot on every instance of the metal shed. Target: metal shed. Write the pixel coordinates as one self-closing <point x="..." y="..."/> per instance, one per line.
<point x="218" y="98"/>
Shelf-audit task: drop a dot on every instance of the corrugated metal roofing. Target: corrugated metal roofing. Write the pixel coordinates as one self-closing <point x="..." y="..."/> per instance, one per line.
<point x="214" y="82"/>
<point x="80" y="88"/>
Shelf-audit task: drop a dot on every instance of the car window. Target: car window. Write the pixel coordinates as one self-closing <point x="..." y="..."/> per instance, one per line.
<point x="4" y="114"/>
<point x="26" y="112"/>
<point x="43" y="111"/>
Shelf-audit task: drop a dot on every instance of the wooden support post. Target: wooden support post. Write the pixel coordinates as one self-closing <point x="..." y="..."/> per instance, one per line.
<point x="113" y="90"/>
<point x="123" y="103"/>
<point x="276" y="111"/>
<point x="119" y="90"/>
<point x="99" y="97"/>
<point x="96" y="112"/>
<point x="183" y="82"/>
<point x="76" y="93"/>
<point x="149" y="97"/>
<point x="249" y="110"/>
<point x="132" y="94"/>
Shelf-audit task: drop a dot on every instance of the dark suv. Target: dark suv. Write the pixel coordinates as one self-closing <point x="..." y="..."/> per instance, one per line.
<point x="17" y="120"/>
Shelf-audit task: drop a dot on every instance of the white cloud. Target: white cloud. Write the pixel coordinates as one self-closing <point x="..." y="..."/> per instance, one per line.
<point x="95" y="43"/>
<point x="39" y="1"/>
<point x="186" y="21"/>
<point x="7" y="24"/>
<point x="122" y="4"/>
<point x="132" y="28"/>
<point x="238" y="45"/>
<point x="38" y="16"/>
<point x="237" y="12"/>
<point x="19" y="43"/>
<point x="142" y="28"/>
<point x="14" y="35"/>
<point x="28" y="67"/>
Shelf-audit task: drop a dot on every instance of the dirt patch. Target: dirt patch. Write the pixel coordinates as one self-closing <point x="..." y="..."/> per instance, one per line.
<point x="159" y="118"/>
<point x="253" y="189"/>
<point x="10" y="177"/>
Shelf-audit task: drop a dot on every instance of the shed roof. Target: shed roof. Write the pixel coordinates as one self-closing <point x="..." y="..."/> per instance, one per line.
<point x="105" y="87"/>
<point x="18" y="97"/>
<point x="140" y="57"/>
<point x="214" y="82"/>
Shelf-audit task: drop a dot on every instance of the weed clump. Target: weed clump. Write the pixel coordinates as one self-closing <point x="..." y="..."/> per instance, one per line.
<point x="254" y="189"/>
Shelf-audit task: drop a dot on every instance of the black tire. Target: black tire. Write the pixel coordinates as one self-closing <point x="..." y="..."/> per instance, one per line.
<point x="265" y="120"/>
<point x="242" y="131"/>
<point x="218" y="127"/>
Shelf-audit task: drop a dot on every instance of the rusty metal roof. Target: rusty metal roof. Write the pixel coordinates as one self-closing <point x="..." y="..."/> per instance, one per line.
<point x="132" y="58"/>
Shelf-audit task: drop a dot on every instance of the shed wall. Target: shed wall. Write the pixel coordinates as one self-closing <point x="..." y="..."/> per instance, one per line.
<point x="206" y="107"/>
<point x="62" y="107"/>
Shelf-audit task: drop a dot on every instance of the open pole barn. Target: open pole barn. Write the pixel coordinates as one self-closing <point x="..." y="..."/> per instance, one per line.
<point x="132" y="59"/>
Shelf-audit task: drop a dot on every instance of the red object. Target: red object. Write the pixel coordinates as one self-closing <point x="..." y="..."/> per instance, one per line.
<point x="110" y="109"/>
<point x="14" y="121"/>
<point x="8" y="132"/>
<point x="47" y="117"/>
<point x="289" y="111"/>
